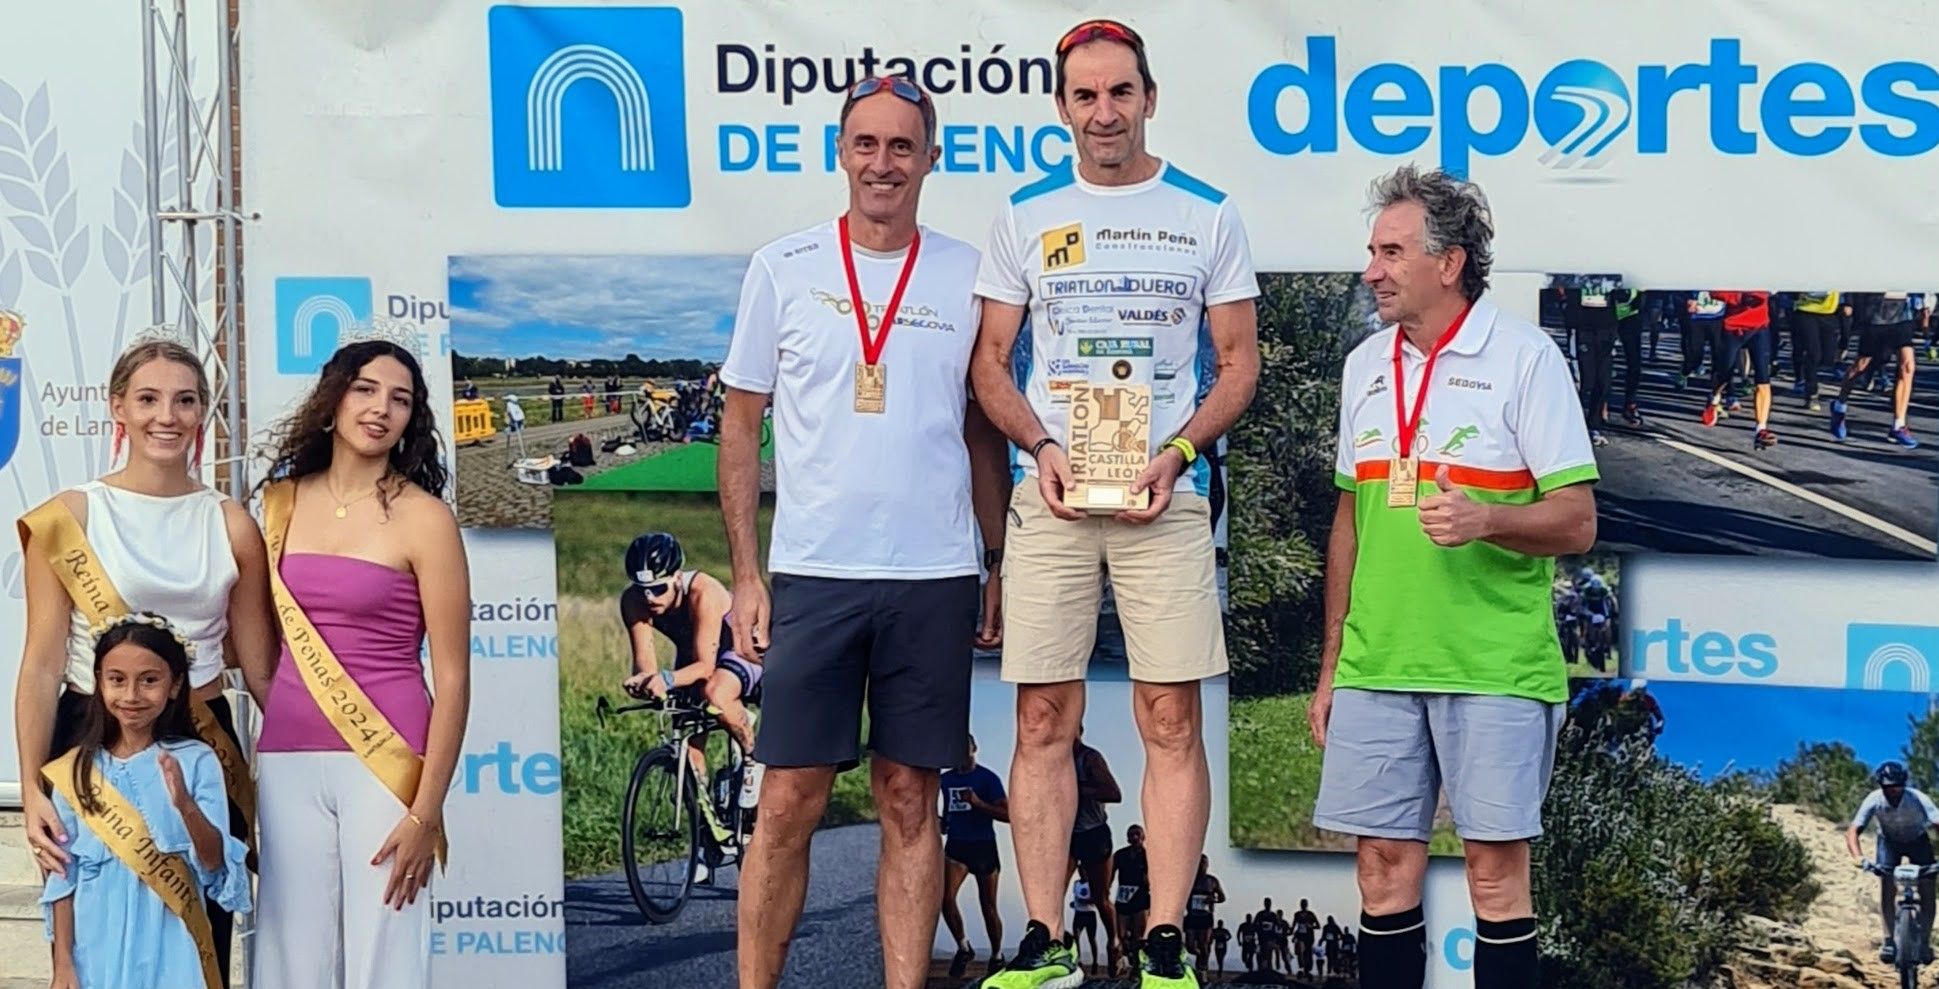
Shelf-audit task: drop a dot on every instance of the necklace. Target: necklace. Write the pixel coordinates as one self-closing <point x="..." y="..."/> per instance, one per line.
<point x="343" y="506"/>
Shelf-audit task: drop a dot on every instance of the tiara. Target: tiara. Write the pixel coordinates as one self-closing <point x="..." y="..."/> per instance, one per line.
<point x="388" y="330"/>
<point x="164" y="333"/>
<point x="12" y="325"/>
<point x="140" y="618"/>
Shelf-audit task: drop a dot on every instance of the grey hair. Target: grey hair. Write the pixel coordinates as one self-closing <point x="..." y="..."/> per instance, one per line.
<point x="1457" y="216"/>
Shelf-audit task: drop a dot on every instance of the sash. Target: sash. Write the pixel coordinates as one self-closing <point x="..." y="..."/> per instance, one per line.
<point x="74" y="561"/>
<point x="344" y="704"/>
<point x="121" y="827"/>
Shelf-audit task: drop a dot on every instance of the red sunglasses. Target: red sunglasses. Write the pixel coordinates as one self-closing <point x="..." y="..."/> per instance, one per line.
<point x="1093" y="30"/>
<point x="899" y="85"/>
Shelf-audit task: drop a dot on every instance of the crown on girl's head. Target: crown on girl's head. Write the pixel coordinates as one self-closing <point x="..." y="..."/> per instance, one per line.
<point x="164" y="333"/>
<point x="139" y="618"/>
<point x="388" y="330"/>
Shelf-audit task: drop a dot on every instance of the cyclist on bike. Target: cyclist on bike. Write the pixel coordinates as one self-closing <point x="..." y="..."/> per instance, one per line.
<point x="690" y="609"/>
<point x="1598" y="609"/>
<point x="1567" y="620"/>
<point x="1904" y="815"/>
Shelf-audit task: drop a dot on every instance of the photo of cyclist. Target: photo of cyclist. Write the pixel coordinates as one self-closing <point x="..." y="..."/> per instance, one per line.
<point x="1905" y="817"/>
<point x="690" y="609"/>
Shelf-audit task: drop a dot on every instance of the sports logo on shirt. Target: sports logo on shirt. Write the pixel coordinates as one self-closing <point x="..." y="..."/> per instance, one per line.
<point x="1114" y="347"/>
<point x="1367" y="439"/>
<point x="1460" y="439"/>
<point x="1063" y="247"/>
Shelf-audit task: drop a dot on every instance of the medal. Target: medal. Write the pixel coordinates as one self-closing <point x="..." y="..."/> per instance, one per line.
<point x="1404" y="470"/>
<point x="1403" y="481"/>
<point x="871" y="388"/>
<point x="871" y="375"/>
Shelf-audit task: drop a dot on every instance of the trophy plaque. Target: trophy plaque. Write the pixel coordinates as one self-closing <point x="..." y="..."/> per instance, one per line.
<point x="1110" y="445"/>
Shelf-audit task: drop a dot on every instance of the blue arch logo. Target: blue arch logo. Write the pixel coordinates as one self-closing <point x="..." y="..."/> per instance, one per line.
<point x="588" y="107"/>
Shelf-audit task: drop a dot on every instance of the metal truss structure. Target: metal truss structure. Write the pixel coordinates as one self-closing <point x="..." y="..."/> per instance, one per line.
<point x="194" y="254"/>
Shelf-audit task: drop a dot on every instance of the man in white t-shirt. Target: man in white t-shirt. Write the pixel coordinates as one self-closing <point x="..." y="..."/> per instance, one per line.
<point x="859" y="331"/>
<point x="1126" y="270"/>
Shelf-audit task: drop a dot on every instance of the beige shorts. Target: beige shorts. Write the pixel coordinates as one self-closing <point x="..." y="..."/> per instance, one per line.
<point x="1163" y="575"/>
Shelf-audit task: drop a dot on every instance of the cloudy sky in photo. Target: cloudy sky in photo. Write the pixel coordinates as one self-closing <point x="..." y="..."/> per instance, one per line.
<point x="575" y="307"/>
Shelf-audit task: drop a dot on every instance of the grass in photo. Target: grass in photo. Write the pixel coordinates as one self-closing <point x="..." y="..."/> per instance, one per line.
<point x="594" y="370"/>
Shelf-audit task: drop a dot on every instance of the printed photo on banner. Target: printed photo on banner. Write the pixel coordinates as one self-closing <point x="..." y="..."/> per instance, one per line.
<point x="585" y="370"/>
<point x="1756" y="421"/>
<point x="1783" y="794"/>
<point x="1238" y="896"/>
<point x="642" y="870"/>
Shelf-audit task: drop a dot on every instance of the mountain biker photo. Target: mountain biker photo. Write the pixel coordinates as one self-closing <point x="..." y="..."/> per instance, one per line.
<point x="1905" y="817"/>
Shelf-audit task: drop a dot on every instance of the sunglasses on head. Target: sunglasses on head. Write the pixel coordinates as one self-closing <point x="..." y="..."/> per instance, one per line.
<point x="1093" y="30"/>
<point x="899" y="85"/>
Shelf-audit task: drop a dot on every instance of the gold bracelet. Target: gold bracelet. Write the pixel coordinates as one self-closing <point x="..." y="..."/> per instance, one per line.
<point x="420" y="822"/>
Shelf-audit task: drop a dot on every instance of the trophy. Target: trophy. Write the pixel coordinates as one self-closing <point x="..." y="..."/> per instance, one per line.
<point x="1110" y="445"/>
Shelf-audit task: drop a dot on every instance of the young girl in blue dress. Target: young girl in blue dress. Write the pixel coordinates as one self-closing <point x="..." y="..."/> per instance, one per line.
<point x="109" y="929"/>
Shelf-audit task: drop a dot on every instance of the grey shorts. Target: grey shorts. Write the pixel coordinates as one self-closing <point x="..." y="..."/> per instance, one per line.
<point x="1388" y="753"/>
<point x="900" y="648"/>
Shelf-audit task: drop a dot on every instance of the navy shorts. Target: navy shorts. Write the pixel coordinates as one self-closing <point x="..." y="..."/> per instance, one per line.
<point x="903" y="646"/>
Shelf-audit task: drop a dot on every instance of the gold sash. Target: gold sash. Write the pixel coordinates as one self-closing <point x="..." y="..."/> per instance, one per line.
<point x="344" y="704"/>
<point x="121" y="827"/>
<point x="74" y="561"/>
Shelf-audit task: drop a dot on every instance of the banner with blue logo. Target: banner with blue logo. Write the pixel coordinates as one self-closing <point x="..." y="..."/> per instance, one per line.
<point x="1679" y="147"/>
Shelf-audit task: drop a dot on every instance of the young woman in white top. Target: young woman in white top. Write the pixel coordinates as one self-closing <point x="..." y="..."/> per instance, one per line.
<point x="168" y="544"/>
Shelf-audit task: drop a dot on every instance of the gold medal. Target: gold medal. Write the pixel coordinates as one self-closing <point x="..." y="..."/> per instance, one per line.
<point x="1403" y="481"/>
<point x="871" y="388"/>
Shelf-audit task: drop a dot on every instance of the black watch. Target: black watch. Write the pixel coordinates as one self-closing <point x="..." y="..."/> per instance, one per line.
<point x="992" y="558"/>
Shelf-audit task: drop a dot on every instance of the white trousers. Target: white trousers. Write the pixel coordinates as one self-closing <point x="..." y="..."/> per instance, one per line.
<point x="321" y="922"/>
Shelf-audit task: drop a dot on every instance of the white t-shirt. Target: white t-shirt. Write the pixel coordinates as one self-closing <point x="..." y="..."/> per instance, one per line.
<point x="862" y="495"/>
<point x="1117" y="280"/>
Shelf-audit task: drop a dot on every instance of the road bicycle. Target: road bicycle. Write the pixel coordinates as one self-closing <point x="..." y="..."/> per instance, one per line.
<point x="665" y="838"/>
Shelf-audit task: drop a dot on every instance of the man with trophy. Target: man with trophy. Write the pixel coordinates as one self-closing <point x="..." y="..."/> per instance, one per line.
<point x="1138" y="286"/>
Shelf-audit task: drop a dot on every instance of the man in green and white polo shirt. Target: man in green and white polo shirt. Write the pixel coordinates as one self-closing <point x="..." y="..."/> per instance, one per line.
<point x="1464" y="471"/>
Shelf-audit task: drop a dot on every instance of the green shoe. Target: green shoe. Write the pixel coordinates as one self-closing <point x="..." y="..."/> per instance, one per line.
<point x="722" y="836"/>
<point x="1165" y="966"/>
<point x="1042" y="962"/>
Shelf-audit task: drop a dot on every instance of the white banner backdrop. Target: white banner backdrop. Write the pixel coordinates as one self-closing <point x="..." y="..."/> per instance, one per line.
<point x="382" y="138"/>
<point x="73" y="260"/>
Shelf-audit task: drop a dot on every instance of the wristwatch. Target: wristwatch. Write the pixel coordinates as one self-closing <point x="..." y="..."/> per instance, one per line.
<point x="992" y="558"/>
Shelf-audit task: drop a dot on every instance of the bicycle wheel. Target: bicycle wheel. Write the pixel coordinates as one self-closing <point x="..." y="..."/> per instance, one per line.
<point x="657" y="836"/>
<point x="1911" y="947"/>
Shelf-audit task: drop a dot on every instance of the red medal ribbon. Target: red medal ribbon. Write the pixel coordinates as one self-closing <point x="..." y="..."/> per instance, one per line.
<point x="872" y="350"/>
<point x="1409" y="425"/>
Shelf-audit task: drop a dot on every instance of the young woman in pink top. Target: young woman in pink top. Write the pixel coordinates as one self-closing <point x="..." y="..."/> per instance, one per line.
<point x="367" y="563"/>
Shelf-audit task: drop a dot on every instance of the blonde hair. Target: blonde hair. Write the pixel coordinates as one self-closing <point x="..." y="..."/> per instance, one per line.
<point x="142" y="354"/>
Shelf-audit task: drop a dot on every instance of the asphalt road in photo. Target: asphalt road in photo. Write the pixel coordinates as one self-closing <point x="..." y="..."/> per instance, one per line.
<point x="1674" y="485"/>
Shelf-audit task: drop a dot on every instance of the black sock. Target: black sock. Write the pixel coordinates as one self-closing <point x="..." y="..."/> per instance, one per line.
<point x="1393" y="950"/>
<point x="1505" y="955"/>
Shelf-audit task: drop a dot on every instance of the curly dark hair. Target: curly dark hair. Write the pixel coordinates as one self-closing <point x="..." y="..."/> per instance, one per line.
<point x="301" y="442"/>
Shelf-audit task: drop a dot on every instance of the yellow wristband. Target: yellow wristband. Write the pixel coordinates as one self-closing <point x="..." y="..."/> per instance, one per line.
<point x="1184" y="447"/>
